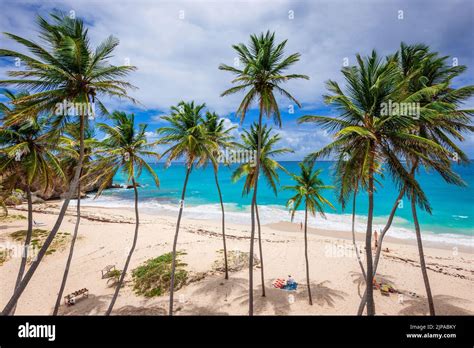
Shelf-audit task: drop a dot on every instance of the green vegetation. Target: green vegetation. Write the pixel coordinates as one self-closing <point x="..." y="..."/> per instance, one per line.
<point x="4" y="256"/>
<point x="237" y="261"/>
<point x="39" y="236"/>
<point x="153" y="277"/>
<point x="10" y="218"/>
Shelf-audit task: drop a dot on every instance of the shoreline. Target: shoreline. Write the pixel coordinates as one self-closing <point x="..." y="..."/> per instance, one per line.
<point x="280" y="225"/>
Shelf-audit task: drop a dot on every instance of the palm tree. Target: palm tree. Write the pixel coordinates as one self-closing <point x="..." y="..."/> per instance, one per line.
<point x="65" y="70"/>
<point x="262" y="74"/>
<point x="361" y="125"/>
<point x="351" y="176"/>
<point x="268" y="166"/>
<point x="221" y="136"/>
<point x="187" y="137"/>
<point x="69" y="159"/>
<point x="28" y="154"/>
<point x="124" y="148"/>
<point x="440" y="119"/>
<point x="308" y="189"/>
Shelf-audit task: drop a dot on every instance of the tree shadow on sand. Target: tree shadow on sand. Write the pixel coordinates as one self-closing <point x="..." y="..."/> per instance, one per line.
<point x="87" y="305"/>
<point x="142" y="310"/>
<point x="276" y="299"/>
<point x="322" y="294"/>
<point x="191" y="309"/>
<point x="221" y="289"/>
<point x="444" y="305"/>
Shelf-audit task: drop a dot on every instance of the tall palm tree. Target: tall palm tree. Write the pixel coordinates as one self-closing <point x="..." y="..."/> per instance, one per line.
<point x="187" y="138"/>
<point x="440" y="120"/>
<point x="263" y="73"/>
<point x="69" y="158"/>
<point x="65" y="69"/>
<point x="268" y="166"/>
<point x="308" y="188"/>
<point x="221" y="137"/>
<point x="361" y="125"/>
<point x="124" y="148"/>
<point x="351" y="176"/>
<point x="28" y="154"/>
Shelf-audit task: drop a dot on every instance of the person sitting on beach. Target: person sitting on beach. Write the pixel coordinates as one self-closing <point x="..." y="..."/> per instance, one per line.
<point x="290" y="284"/>
<point x="290" y="280"/>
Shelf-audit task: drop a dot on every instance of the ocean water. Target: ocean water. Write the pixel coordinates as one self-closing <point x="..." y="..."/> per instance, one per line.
<point x="452" y="219"/>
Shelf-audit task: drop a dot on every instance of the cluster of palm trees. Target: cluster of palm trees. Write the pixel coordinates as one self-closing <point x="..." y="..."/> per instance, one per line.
<point x="40" y="148"/>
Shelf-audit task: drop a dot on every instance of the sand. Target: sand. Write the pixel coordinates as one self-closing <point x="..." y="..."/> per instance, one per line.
<point x="336" y="282"/>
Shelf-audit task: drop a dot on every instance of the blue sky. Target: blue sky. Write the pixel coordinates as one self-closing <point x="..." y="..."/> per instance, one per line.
<point x="178" y="45"/>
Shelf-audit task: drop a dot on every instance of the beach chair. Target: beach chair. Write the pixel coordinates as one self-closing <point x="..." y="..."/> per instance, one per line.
<point x="107" y="271"/>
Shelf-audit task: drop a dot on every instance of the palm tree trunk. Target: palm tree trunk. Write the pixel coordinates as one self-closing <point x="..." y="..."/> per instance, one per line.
<point x="424" y="272"/>
<point x="175" y="241"/>
<point x="262" y="273"/>
<point x="368" y="238"/>
<point x="223" y="225"/>
<point x="132" y="249"/>
<point x="252" y="210"/>
<point x="71" y="251"/>
<point x="308" y="282"/>
<point x="29" y="234"/>
<point x="379" y="247"/>
<point x="353" y="234"/>
<point x="72" y="189"/>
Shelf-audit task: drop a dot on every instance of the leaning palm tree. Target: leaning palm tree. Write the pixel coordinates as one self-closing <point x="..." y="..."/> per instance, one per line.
<point x="65" y="70"/>
<point x="425" y="78"/>
<point x="27" y="154"/>
<point x="124" y="148"/>
<point x="308" y="189"/>
<point x="70" y="149"/>
<point x="361" y="125"/>
<point x="268" y="166"/>
<point x="221" y="137"/>
<point x="262" y="74"/>
<point x="440" y="120"/>
<point x="187" y="138"/>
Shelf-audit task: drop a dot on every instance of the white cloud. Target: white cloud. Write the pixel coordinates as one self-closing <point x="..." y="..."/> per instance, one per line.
<point x="178" y="59"/>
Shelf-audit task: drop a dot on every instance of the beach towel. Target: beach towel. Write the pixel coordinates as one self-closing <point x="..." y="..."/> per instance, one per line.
<point x="279" y="283"/>
<point x="291" y="286"/>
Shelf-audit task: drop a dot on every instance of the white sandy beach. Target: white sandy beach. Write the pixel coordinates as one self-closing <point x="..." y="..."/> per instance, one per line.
<point x="334" y="271"/>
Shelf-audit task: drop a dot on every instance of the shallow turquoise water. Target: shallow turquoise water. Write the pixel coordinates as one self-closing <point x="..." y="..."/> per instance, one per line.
<point x="453" y="211"/>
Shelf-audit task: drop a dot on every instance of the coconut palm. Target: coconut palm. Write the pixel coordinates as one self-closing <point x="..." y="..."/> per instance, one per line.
<point x="64" y="69"/>
<point x="187" y="138"/>
<point x="268" y="166"/>
<point x="27" y="154"/>
<point x="124" y="148"/>
<point x="221" y="137"/>
<point x="70" y="149"/>
<point x="440" y="119"/>
<point x="361" y="125"/>
<point x="425" y="79"/>
<point x="262" y="74"/>
<point x="308" y="188"/>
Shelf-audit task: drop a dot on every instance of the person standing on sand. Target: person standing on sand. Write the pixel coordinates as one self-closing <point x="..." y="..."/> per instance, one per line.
<point x="301" y="226"/>
<point x="376" y="239"/>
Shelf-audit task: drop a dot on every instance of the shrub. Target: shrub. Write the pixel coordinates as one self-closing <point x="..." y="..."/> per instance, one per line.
<point x="153" y="277"/>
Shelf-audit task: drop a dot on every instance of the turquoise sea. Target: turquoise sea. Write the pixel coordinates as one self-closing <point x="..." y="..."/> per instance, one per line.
<point x="452" y="220"/>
